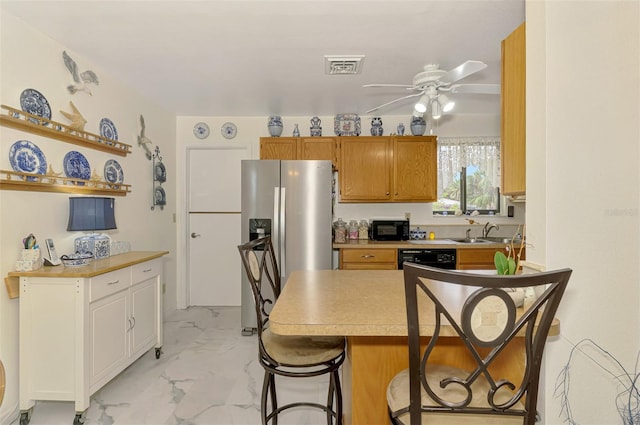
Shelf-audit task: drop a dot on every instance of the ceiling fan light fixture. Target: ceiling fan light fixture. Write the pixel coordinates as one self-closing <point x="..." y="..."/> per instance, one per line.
<point x="446" y="103"/>
<point x="436" y="111"/>
<point x="422" y="104"/>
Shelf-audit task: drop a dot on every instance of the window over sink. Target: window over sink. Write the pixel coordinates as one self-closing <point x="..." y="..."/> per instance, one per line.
<point x="468" y="175"/>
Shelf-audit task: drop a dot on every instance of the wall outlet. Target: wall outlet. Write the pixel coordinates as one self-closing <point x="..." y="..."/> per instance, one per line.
<point x="407" y="215"/>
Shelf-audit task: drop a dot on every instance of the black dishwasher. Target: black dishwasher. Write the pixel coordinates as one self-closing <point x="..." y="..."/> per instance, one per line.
<point x="440" y="258"/>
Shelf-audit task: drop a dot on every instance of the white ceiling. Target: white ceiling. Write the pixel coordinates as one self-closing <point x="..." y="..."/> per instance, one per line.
<point x="265" y="57"/>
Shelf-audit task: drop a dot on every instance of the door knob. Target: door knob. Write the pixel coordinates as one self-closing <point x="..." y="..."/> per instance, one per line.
<point x="195" y="235"/>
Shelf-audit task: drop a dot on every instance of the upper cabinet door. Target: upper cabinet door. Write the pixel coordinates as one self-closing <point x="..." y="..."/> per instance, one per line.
<point x="415" y="169"/>
<point x="318" y="148"/>
<point x="365" y="165"/>
<point x="513" y="131"/>
<point x="279" y="148"/>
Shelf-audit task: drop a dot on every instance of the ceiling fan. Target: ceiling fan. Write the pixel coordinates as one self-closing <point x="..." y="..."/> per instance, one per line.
<point x="433" y="81"/>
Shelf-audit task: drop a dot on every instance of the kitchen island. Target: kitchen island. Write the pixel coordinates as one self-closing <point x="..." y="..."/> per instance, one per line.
<point x="368" y="307"/>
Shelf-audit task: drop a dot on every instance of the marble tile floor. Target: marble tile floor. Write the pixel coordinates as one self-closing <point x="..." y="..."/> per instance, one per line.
<point x="208" y="374"/>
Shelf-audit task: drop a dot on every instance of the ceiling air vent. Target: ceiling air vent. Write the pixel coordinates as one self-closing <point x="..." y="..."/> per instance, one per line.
<point x="343" y="64"/>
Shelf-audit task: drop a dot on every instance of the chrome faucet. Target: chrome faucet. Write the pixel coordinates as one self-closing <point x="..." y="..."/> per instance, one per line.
<point x="487" y="228"/>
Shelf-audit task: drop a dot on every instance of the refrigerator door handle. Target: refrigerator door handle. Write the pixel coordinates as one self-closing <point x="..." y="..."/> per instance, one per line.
<point x="282" y="235"/>
<point x="276" y="225"/>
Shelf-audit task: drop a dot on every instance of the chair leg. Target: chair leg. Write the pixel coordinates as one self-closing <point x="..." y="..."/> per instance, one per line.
<point x="274" y="400"/>
<point x="330" y="394"/>
<point x="266" y="385"/>
<point x="335" y="376"/>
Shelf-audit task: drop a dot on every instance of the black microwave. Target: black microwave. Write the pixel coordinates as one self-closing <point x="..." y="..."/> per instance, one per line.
<point x="390" y="230"/>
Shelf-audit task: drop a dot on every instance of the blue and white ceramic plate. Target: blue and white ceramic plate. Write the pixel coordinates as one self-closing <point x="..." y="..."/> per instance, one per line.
<point x="201" y="130"/>
<point x="160" y="196"/>
<point x="26" y="157"/>
<point x="108" y="129"/>
<point x="346" y="125"/>
<point x="160" y="173"/>
<point x="229" y="130"/>
<point x="34" y="102"/>
<point x="76" y="166"/>
<point x="113" y="172"/>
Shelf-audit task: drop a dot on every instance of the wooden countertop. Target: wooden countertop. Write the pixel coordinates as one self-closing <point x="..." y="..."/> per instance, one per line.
<point x="94" y="268"/>
<point x="350" y="303"/>
<point x="421" y="244"/>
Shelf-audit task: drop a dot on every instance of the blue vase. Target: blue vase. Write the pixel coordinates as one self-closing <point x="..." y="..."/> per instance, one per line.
<point x="275" y="126"/>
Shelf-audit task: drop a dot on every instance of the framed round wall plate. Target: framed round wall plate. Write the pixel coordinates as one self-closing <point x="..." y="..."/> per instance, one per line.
<point x="201" y="130"/>
<point x="229" y="130"/>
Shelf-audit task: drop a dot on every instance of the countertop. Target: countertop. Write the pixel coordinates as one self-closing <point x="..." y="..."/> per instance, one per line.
<point x="433" y="244"/>
<point x="94" y="268"/>
<point x="349" y="303"/>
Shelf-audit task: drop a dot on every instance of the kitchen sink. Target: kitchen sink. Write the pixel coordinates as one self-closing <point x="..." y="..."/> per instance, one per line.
<point x="500" y="239"/>
<point x="471" y="240"/>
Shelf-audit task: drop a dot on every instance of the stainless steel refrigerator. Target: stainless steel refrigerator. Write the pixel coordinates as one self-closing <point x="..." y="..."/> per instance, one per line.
<point x="291" y="201"/>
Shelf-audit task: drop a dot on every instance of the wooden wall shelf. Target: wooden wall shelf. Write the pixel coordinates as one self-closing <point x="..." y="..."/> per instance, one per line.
<point x="13" y="180"/>
<point x="20" y="120"/>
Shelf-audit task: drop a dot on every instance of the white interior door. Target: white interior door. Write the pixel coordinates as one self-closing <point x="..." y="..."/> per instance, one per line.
<point x="214" y="203"/>
<point x="214" y="261"/>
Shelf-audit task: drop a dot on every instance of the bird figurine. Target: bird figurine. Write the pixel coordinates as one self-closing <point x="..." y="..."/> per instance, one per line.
<point x="143" y="140"/>
<point x="81" y="79"/>
<point x="76" y="118"/>
<point x="52" y="175"/>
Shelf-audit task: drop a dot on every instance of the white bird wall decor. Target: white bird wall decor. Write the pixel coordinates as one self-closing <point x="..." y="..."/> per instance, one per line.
<point x="81" y="79"/>
<point x="143" y="140"/>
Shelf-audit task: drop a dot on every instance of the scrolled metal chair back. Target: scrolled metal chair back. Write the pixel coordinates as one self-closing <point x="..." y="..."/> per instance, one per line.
<point x="486" y="323"/>
<point x="261" y="267"/>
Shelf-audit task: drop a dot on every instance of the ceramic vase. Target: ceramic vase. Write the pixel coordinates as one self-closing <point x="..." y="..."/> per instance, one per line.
<point x="376" y="126"/>
<point x="275" y="126"/>
<point x="400" y="129"/>
<point x="315" y="129"/>
<point x="418" y="126"/>
<point x="296" y="131"/>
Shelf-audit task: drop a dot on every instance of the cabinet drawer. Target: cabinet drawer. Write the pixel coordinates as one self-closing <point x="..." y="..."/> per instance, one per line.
<point x="109" y="283"/>
<point x="143" y="271"/>
<point x="370" y="256"/>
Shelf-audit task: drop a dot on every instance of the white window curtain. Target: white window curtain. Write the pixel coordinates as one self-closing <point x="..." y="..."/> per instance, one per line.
<point x="457" y="152"/>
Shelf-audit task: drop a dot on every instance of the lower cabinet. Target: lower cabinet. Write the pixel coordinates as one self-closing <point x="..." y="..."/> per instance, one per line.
<point x="77" y="332"/>
<point x="478" y="258"/>
<point x="369" y="259"/>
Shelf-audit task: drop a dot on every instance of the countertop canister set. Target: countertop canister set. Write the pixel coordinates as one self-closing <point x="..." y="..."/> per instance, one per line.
<point x="346" y="125"/>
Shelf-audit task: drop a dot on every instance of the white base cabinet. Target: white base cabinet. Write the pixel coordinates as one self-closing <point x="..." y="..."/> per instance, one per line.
<point x="79" y="332"/>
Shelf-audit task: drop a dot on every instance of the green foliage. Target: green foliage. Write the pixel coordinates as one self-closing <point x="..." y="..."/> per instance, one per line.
<point x="503" y="264"/>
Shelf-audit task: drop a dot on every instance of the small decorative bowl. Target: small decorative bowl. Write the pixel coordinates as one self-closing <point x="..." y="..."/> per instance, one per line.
<point x="77" y="259"/>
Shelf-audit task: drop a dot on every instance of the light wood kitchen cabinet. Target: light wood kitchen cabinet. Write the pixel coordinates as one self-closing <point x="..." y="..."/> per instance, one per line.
<point x="479" y="258"/>
<point x="415" y="169"/>
<point x="388" y="169"/>
<point x="320" y="148"/>
<point x="513" y="123"/>
<point x="82" y="326"/>
<point x="369" y="259"/>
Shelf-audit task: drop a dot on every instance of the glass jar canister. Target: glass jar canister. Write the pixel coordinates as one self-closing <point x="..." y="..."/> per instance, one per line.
<point x="353" y="229"/>
<point x="339" y="231"/>
<point x="363" y="230"/>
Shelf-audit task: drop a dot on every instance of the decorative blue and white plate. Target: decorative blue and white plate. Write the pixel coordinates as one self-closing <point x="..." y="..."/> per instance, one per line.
<point x="201" y="130"/>
<point x="160" y="196"/>
<point x="113" y="172"/>
<point x="229" y="130"/>
<point x="26" y="157"/>
<point x="160" y="173"/>
<point x="34" y="102"/>
<point x="108" y="129"/>
<point x="76" y="166"/>
<point x="346" y="125"/>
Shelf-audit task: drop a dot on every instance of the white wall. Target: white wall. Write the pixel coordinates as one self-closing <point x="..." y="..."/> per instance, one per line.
<point x="583" y="186"/>
<point x="31" y="60"/>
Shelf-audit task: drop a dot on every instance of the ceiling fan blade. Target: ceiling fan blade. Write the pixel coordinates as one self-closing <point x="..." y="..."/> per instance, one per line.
<point x="408" y="86"/>
<point x="394" y="101"/>
<point x="476" y="88"/>
<point x="462" y="71"/>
